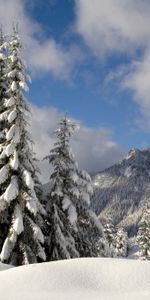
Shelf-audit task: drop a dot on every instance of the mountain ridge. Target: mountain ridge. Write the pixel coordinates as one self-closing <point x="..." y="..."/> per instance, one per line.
<point x="122" y="190"/>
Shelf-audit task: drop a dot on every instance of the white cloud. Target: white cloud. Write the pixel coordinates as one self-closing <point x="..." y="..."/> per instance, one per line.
<point x="113" y="26"/>
<point x="94" y="149"/>
<point x="138" y="80"/>
<point x="42" y="54"/>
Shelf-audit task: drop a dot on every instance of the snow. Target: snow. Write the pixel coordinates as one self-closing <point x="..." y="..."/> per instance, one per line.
<point x="95" y="221"/>
<point x="13" y="58"/>
<point x="38" y="235"/>
<point x="72" y="214"/>
<point x="41" y="252"/>
<point x="14" y="163"/>
<point x="128" y="172"/>
<point x="12" y="190"/>
<point x="74" y="176"/>
<point x="132" y="153"/>
<point x="86" y="198"/>
<point x="9" y="150"/>
<point x="14" y="133"/>
<point x="66" y="203"/>
<point x="133" y="252"/>
<point x="82" y="279"/>
<point x="14" y="86"/>
<point x="24" y="86"/>
<point x="11" y="74"/>
<point x="18" y="220"/>
<point x="75" y="192"/>
<point x="28" y="179"/>
<point x="96" y="183"/>
<point x="9" y="102"/>
<point x="57" y="192"/>
<point x="90" y="188"/>
<point x="8" y="246"/>
<point x="12" y="116"/>
<point x="4" y="174"/>
<point x="3" y="116"/>
<point x="31" y="202"/>
<point x="3" y="204"/>
<point x="4" y="267"/>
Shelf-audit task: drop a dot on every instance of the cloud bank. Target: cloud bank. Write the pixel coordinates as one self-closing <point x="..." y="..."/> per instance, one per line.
<point x="108" y="28"/>
<point x="42" y="54"/>
<point x="113" y="26"/>
<point x="120" y="27"/>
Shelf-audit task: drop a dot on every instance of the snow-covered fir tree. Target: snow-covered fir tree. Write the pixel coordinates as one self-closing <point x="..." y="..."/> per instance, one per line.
<point x="3" y="95"/>
<point x="73" y="226"/>
<point x="121" y="243"/>
<point x="109" y="232"/>
<point x="3" y="81"/>
<point x="143" y="235"/>
<point x="23" y="240"/>
<point x="61" y="244"/>
<point x="89" y="229"/>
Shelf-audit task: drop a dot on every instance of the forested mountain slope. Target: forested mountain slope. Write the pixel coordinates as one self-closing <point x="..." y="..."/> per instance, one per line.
<point x="121" y="191"/>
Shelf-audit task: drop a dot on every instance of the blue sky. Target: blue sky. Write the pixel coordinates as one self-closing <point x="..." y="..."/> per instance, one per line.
<point x="90" y="59"/>
<point x="86" y="97"/>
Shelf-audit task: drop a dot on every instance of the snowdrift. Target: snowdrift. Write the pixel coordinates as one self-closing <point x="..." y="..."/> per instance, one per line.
<point x="4" y="267"/>
<point x="81" y="279"/>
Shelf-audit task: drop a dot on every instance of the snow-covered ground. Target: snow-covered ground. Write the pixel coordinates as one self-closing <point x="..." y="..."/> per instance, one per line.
<point x="4" y="267"/>
<point x="81" y="279"/>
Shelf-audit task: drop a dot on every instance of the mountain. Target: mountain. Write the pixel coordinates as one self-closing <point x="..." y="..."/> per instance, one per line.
<point x="122" y="191"/>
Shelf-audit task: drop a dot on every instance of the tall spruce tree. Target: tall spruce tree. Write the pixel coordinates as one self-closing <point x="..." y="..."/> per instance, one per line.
<point x="24" y="239"/>
<point x="143" y="235"/>
<point x="73" y="227"/>
<point x="3" y="94"/>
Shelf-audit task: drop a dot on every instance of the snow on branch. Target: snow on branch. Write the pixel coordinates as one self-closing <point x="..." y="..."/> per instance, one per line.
<point x="12" y="190"/>
<point x="4" y="172"/>
<point x="18" y="220"/>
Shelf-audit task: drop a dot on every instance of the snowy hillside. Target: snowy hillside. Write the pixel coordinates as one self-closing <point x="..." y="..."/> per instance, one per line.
<point x="122" y="190"/>
<point x="82" y="279"/>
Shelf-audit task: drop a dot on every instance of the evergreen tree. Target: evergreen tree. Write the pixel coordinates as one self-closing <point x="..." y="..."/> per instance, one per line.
<point x="24" y="239"/>
<point x="72" y="224"/>
<point x="143" y="235"/>
<point x="89" y="237"/>
<point x="121" y="243"/>
<point x="3" y="94"/>
<point x="109" y="232"/>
